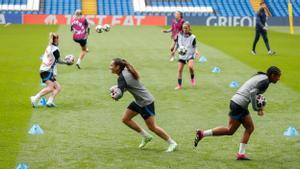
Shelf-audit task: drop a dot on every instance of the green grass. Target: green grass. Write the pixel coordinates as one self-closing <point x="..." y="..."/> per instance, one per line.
<point x="85" y="130"/>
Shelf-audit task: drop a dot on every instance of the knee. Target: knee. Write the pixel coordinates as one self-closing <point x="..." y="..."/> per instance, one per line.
<point x="125" y="120"/>
<point x="152" y="128"/>
<point x="250" y="129"/>
<point x="230" y="132"/>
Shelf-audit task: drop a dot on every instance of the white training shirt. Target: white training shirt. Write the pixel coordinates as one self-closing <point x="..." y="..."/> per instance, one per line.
<point x="49" y="61"/>
<point x="187" y="41"/>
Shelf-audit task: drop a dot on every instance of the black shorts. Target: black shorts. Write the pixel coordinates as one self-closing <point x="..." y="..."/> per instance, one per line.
<point x="185" y="61"/>
<point x="237" y="112"/>
<point x="47" y="76"/>
<point x="82" y="42"/>
<point x="145" y="112"/>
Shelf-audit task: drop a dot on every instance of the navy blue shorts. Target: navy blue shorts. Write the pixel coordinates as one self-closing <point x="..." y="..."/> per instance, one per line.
<point x="47" y="76"/>
<point x="185" y="61"/>
<point x="145" y="112"/>
<point x="82" y="42"/>
<point x="237" y="112"/>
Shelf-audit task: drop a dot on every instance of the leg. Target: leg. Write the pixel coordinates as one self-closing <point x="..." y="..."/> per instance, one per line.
<point x="57" y="89"/>
<point x="82" y="53"/>
<point x="249" y="127"/>
<point x="179" y="80"/>
<point x="172" y="56"/>
<point x="49" y="88"/>
<point x="127" y="119"/>
<point x="265" y="38"/>
<point x="191" y="69"/>
<point x="257" y="35"/>
<point x="151" y="124"/>
<point x="233" y="125"/>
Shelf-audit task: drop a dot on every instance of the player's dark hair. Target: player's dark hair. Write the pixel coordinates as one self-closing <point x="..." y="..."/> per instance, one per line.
<point x="273" y="70"/>
<point x="180" y="13"/>
<point x="123" y="63"/>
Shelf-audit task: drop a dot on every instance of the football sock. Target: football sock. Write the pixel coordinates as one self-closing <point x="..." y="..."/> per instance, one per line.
<point x="78" y="61"/>
<point x="179" y="82"/>
<point x="208" y="133"/>
<point x="144" y="133"/>
<point x="50" y="100"/>
<point x="171" y="141"/>
<point x="192" y="76"/>
<point x="242" y="149"/>
<point x="37" y="96"/>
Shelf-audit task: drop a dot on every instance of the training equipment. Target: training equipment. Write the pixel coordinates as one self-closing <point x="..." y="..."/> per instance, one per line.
<point x="260" y="101"/>
<point x="99" y="29"/>
<point x="106" y="27"/>
<point x="70" y="59"/>
<point x="115" y="92"/>
<point x="182" y="50"/>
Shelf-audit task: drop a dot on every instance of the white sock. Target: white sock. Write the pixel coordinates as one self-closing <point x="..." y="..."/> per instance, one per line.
<point x="171" y="141"/>
<point x="242" y="149"/>
<point x="144" y="133"/>
<point x="50" y="100"/>
<point x="37" y="96"/>
<point x="208" y="133"/>
<point x="78" y="61"/>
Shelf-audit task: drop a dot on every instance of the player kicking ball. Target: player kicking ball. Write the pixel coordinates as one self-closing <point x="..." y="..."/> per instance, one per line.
<point x="239" y="114"/>
<point x="144" y="103"/>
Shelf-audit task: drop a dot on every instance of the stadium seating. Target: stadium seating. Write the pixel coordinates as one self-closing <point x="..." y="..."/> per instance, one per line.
<point x="280" y="7"/>
<point x="147" y="7"/>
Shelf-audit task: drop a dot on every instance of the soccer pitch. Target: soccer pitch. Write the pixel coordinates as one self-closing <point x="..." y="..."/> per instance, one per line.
<point x="85" y="129"/>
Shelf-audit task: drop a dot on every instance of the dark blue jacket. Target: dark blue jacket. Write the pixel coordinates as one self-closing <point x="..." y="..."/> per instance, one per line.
<point x="261" y="18"/>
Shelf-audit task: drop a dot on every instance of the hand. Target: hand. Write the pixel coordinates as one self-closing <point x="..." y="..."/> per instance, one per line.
<point x="260" y="112"/>
<point x="164" y="31"/>
<point x="265" y="28"/>
<point x="197" y="55"/>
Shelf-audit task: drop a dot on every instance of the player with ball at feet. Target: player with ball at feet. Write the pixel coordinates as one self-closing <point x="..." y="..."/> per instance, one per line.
<point x="249" y="92"/>
<point x="144" y="103"/>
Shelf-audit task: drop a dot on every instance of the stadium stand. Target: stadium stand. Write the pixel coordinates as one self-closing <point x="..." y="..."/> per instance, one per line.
<point x="148" y="7"/>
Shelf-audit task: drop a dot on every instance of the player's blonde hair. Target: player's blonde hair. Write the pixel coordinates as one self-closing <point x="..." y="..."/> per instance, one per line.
<point x="123" y="63"/>
<point x="78" y="12"/>
<point x="52" y="37"/>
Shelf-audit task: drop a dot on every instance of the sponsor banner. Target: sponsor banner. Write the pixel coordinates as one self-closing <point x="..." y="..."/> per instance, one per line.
<point x="96" y="19"/>
<point x="11" y="18"/>
<point x="235" y="21"/>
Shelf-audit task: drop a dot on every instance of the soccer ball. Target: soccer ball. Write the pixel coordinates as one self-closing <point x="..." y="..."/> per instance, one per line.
<point x="182" y="50"/>
<point x="260" y="101"/>
<point x="115" y="92"/>
<point x="106" y="27"/>
<point x="70" y="59"/>
<point x="99" y="28"/>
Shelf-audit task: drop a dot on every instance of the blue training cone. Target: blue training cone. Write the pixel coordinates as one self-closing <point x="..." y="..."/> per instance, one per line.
<point x="22" y="166"/>
<point x="216" y="70"/>
<point x="291" y="131"/>
<point x="234" y="84"/>
<point x="36" y="129"/>
<point x="42" y="102"/>
<point x="202" y="59"/>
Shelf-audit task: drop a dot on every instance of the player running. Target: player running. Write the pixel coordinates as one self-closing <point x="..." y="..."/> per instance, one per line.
<point x="143" y="104"/>
<point x="81" y="30"/>
<point x="239" y="113"/>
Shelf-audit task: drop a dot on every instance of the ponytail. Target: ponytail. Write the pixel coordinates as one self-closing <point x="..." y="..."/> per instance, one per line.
<point x="271" y="70"/>
<point x="123" y="63"/>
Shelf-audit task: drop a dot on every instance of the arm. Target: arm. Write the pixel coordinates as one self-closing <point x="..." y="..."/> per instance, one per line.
<point x="57" y="57"/>
<point x="261" y="87"/>
<point x="258" y="20"/>
<point x="117" y="93"/>
<point x="253" y="94"/>
<point x="195" y="46"/>
<point x="167" y="30"/>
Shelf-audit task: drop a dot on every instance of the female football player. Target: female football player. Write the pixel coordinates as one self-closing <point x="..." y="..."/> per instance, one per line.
<point x="143" y="104"/>
<point x="80" y="29"/>
<point x="187" y="41"/>
<point x="176" y="28"/>
<point x="48" y="72"/>
<point x="239" y="113"/>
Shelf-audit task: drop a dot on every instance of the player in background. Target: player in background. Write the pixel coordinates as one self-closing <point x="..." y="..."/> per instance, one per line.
<point x="128" y="80"/>
<point x="81" y="30"/>
<point x="175" y="29"/>
<point x="261" y="29"/>
<point x="48" y="72"/>
<point x="239" y="113"/>
<point x="188" y="41"/>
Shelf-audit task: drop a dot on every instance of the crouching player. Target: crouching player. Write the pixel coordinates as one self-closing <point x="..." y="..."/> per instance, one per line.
<point x="48" y="72"/>
<point x="143" y="104"/>
<point x="239" y="113"/>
